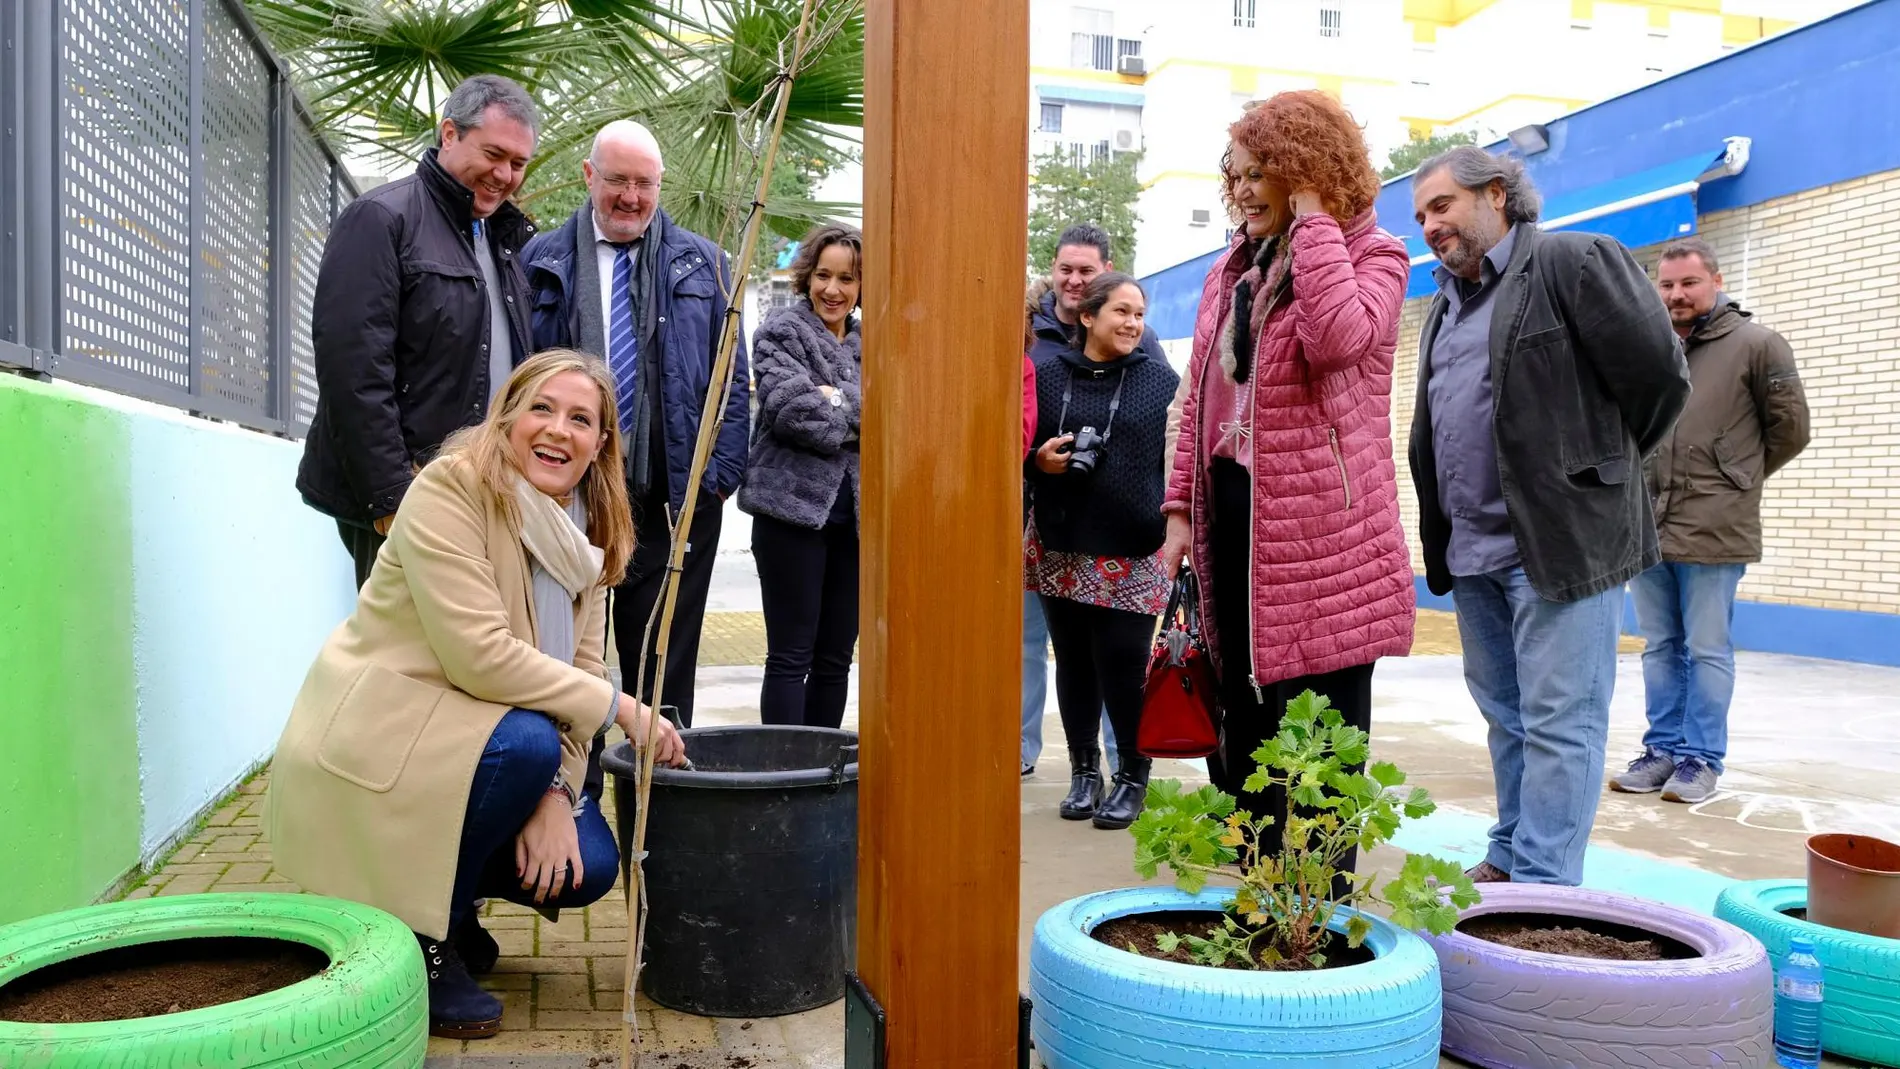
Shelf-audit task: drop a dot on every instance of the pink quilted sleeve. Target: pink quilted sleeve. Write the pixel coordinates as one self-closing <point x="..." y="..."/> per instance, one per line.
<point x="1347" y="300"/>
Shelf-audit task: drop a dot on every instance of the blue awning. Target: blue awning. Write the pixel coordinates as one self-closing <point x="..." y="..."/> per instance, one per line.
<point x="1174" y="295"/>
<point x="1640" y="209"/>
<point x="1055" y="94"/>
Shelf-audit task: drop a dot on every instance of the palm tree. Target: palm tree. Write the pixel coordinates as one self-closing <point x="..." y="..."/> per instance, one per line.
<point x="701" y="74"/>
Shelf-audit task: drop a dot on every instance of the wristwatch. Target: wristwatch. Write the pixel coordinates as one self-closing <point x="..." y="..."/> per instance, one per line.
<point x="837" y="399"/>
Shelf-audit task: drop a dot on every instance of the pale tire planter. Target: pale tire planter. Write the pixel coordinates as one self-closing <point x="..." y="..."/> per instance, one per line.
<point x="1518" y="1009"/>
<point x="1860" y="1015"/>
<point x="1100" y="1007"/>
<point x="368" y="1010"/>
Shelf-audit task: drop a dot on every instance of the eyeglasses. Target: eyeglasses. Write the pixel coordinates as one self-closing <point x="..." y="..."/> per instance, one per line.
<point x="621" y="183"/>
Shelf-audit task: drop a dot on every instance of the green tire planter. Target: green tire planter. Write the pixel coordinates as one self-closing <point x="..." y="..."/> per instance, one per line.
<point x="369" y="1009"/>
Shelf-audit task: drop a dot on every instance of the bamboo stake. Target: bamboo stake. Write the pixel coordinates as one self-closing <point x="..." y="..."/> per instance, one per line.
<point x="712" y="417"/>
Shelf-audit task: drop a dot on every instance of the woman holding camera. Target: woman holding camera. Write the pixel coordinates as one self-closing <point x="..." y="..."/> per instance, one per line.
<point x="1092" y="547"/>
<point x="438" y="749"/>
<point x="801" y="483"/>
<point x="1283" y="490"/>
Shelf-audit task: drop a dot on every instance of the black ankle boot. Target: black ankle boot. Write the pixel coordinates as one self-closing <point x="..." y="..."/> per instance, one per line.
<point x="1085" y="784"/>
<point x="478" y="949"/>
<point x="1125" y="802"/>
<point x="458" y="1007"/>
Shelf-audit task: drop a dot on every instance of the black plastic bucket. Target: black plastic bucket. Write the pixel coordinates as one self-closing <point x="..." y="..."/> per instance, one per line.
<point x="751" y="869"/>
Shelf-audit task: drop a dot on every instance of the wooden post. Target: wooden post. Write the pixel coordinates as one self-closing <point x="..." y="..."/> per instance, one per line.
<point x="945" y="206"/>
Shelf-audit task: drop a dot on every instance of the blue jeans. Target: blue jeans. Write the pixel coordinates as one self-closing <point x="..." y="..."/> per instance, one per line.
<point x="518" y="764"/>
<point x="1036" y="685"/>
<point x="1684" y="612"/>
<point x="1542" y="674"/>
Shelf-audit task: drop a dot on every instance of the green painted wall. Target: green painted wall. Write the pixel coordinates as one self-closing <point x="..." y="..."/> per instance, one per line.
<point x="69" y="755"/>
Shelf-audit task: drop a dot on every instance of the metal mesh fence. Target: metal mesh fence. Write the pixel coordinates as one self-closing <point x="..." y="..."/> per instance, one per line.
<point x="183" y="211"/>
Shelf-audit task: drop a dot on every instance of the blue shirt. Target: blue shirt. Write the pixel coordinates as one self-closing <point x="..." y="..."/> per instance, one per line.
<point x="1459" y="391"/>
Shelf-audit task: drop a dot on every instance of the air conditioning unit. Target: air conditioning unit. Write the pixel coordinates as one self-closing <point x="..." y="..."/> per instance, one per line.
<point x="1125" y="141"/>
<point x="1133" y="66"/>
<point x="1202" y="217"/>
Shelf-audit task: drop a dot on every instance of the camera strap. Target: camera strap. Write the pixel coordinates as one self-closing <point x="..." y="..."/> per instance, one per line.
<point x="1114" y="404"/>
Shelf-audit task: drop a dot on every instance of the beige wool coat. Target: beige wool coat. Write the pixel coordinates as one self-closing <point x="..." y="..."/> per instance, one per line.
<point x="373" y="772"/>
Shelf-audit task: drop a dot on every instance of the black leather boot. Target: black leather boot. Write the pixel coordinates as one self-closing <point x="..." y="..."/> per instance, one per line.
<point x="1125" y="802"/>
<point x="478" y="949"/>
<point x="458" y="1007"/>
<point x="1085" y="783"/>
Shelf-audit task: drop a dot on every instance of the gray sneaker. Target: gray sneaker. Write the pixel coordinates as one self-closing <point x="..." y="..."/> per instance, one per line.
<point x="1646" y="774"/>
<point x="1692" y="782"/>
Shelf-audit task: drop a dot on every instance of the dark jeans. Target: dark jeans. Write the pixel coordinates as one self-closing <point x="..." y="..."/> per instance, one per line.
<point x="1247" y="720"/>
<point x="363" y="543"/>
<point x="1101" y="660"/>
<point x="635" y="597"/>
<point x="517" y="766"/>
<point x="808" y="583"/>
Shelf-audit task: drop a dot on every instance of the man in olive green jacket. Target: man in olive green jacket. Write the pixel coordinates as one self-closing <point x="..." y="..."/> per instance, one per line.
<point x="1746" y="418"/>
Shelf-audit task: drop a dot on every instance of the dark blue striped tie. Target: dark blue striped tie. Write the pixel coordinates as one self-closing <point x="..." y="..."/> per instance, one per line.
<point x="623" y="344"/>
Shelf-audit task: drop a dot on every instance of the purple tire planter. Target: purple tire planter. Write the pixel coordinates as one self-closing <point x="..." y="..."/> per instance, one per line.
<point x="1518" y="1009"/>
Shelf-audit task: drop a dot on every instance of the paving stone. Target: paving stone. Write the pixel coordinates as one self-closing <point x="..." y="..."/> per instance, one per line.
<point x="563" y="991"/>
<point x="495" y="924"/>
<point x="258" y="785"/>
<point x="508" y="981"/>
<point x="442" y="1048"/>
<point x="248" y="872"/>
<point x="228" y="857"/>
<point x="223" y="817"/>
<point x="197" y="868"/>
<point x="815" y="1032"/>
<point x="189" y="884"/>
<point x="530" y="964"/>
<point x="145" y="890"/>
<point x="565" y="1020"/>
<point x="515" y="942"/>
<point x="673" y="1030"/>
<point x="247" y="822"/>
<point x="233" y="843"/>
<point x="517" y="1010"/>
<point x="225" y="888"/>
<point x="534" y="1043"/>
<point x="557" y="948"/>
<point x="186" y="852"/>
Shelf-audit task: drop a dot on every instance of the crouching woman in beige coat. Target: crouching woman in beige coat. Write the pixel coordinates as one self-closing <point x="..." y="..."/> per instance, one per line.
<point x="438" y="750"/>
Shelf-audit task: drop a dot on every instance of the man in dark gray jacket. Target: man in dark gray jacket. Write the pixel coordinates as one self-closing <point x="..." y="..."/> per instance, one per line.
<point x="1746" y="418"/>
<point x="1547" y="371"/>
<point x="420" y="314"/>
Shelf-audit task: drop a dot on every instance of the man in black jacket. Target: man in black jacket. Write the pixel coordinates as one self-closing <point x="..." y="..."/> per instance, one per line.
<point x="421" y="312"/>
<point x="1547" y="371"/>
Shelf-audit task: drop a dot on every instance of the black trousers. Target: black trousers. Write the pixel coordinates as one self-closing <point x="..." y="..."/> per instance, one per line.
<point x="808" y="582"/>
<point x="1247" y="720"/>
<point x="363" y="543"/>
<point x="1101" y="660"/>
<point x="634" y="598"/>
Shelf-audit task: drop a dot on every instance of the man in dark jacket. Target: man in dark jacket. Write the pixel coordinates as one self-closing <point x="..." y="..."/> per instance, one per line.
<point x="621" y="281"/>
<point x="1747" y="417"/>
<point x="420" y="313"/>
<point x="1547" y="371"/>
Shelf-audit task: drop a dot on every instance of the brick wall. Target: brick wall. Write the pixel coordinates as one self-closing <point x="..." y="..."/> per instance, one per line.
<point x="1821" y="267"/>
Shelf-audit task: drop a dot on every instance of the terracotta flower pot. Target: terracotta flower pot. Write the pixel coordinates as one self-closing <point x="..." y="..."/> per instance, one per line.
<point x="1854" y="884"/>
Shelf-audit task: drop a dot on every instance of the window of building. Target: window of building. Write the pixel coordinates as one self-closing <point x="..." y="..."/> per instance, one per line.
<point x="1098" y="152"/>
<point x="1246" y="14"/>
<point x="1093" y="42"/>
<point x="1051" y="118"/>
<point x="1331" y="21"/>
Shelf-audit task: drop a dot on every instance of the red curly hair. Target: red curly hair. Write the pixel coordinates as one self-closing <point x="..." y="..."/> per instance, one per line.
<point x="1307" y="140"/>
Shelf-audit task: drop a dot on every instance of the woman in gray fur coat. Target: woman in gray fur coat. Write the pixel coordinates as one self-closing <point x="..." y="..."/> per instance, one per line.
<point x="801" y="483"/>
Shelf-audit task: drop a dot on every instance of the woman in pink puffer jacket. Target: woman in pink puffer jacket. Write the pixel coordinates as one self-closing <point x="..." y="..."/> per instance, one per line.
<point x="1283" y="495"/>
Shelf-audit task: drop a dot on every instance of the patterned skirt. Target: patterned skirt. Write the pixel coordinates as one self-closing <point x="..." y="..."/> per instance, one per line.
<point x="1132" y="584"/>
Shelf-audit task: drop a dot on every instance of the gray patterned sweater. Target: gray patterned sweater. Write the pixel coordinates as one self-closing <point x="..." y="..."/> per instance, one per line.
<point x="804" y="448"/>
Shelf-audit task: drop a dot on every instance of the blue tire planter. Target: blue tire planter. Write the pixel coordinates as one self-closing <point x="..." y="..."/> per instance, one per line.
<point x="1861" y="1015"/>
<point x="1097" y="1007"/>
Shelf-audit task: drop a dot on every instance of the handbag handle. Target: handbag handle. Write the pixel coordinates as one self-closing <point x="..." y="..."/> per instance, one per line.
<point x="1185" y="599"/>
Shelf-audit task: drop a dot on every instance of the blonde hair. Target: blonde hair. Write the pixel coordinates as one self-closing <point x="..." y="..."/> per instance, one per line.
<point x="484" y="447"/>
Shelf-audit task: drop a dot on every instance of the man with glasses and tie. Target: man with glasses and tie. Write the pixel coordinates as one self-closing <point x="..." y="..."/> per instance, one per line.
<point x="621" y="281"/>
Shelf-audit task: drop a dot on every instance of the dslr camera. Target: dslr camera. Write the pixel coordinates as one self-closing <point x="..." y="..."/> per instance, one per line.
<point x="1086" y="451"/>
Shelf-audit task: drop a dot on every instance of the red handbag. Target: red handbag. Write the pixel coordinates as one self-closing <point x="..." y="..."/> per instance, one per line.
<point x="1178" y="702"/>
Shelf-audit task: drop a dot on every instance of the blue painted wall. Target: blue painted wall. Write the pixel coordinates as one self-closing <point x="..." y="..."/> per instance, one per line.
<point x="1821" y="103"/>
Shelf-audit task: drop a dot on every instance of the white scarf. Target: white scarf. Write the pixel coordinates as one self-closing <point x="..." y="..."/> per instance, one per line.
<point x="555" y="539"/>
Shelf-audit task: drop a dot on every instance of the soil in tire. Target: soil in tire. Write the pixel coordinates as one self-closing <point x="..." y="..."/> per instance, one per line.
<point x="153" y="979"/>
<point x="1136" y="933"/>
<point x="1577" y="937"/>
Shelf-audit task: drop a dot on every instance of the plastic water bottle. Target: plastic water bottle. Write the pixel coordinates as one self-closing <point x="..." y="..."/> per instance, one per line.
<point x="1798" y="992"/>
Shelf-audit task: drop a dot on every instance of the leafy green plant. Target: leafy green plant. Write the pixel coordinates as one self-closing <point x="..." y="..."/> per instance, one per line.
<point x="1286" y="900"/>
